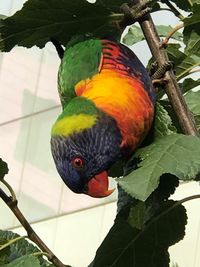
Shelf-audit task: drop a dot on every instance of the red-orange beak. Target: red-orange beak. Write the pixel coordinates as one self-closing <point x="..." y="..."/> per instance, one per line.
<point x="98" y="186"/>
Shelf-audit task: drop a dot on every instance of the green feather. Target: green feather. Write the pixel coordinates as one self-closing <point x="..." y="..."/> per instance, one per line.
<point x="78" y="63"/>
<point x="79" y="105"/>
<point x="78" y="115"/>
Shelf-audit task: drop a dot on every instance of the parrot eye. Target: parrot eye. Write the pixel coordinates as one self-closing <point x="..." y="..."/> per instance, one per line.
<point x="78" y="163"/>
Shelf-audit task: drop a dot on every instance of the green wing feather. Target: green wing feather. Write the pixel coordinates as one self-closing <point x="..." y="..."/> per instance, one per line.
<point x="80" y="61"/>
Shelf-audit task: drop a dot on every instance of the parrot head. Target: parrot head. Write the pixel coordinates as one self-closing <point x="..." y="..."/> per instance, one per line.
<point x="84" y="147"/>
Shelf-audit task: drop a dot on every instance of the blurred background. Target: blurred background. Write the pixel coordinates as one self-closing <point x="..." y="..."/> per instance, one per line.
<point x="70" y="224"/>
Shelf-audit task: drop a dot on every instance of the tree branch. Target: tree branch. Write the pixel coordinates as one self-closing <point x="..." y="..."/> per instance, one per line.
<point x="12" y="204"/>
<point x="170" y="34"/>
<point x="172" y="89"/>
<point x="173" y="9"/>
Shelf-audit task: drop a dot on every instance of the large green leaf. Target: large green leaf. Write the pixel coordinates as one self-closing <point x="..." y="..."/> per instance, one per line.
<point x="3" y="169"/>
<point x="39" y="20"/>
<point x="176" y="154"/>
<point x="127" y="246"/>
<point x="192" y="31"/>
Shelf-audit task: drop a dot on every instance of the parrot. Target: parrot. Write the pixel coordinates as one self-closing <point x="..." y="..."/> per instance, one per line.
<point x="108" y="103"/>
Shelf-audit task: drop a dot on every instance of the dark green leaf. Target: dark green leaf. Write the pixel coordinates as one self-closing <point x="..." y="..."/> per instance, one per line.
<point x="197" y="121"/>
<point x="3" y="169"/>
<point x="137" y="215"/>
<point x="189" y="63"/>
<point x="117" y="169"/>
<point x="167" y="187"/>
<point x="183" y="63"/>
<point x="193" y="101"/>
<point x="40" y="20"/>
<point x="2" y="16"/>
<point x="163" y="123"/>
<point x="192" y="32"/>
<point x="188" y="84"/>
<point x="25" y="261"/>
<point x="176" y="154"/>
<point x="155" y="6"/>
<point x="4" y="254"/>
<point x="174" y="53"/>
<point x="131" y="247"/>
<point x="18" y="249"/>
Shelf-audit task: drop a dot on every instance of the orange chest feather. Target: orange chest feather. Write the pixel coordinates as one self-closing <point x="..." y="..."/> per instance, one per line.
<point x="124" y="99"/>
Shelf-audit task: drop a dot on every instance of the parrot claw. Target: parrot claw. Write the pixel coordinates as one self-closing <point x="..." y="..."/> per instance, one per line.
<point x="160" y="72"/>
<point x="135" y="12"/>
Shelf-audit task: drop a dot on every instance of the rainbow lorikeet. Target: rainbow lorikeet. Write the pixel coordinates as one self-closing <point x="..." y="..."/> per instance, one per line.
<point x="108" y="107"/>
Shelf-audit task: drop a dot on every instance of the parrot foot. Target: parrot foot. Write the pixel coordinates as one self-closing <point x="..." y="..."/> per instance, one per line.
<point x="135" y="12"/>
<point x="161" y="81"/>
<point x="160" y="72"/>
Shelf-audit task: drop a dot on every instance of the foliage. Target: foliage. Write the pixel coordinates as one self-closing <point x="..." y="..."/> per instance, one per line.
<point x="147" y="222"/>
<point x="39" y="21"/>
<point x="175" y="154"/>
<point x="18" y="252"/>
<point x="3" y="169"/>
<point x="126" y="245"/>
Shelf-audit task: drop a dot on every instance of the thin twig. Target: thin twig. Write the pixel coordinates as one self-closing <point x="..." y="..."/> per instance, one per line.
<point x="193" y="71"/>
<point x="10" y="189"/>
<point x="173" y="9"/>
<point x="170" y="34"/>
<point x="172" y="89"/>
<point x="40" y="253"/>
<point x="30" y="232"/>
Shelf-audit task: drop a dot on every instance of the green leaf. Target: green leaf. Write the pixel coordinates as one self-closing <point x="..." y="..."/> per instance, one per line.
<point x="4" y="254"/>
<point x="163" y="123"/>
<point x="197" y="121"/>
<point x="163" y="31"/>
<point x="137" y="215"/>
<point x="189" y="63"/>
<point x="131" y="247"/>
<point x="18" y="249"/>
<point x="188" y="84"/>
<point x="167" y="187"/>
<point x="2" y="16"/>
<point x="135" y="34"/>
<point x="183" y="63"/>
<point x="3" y="169"/>
<point x="176" y="154"/>
<point x="174" y="53"/>
<point x="40" y="20"/>
<point x="192" y="32"/>
<point x="193" y="101"/>
<point x="25" y="261"/>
